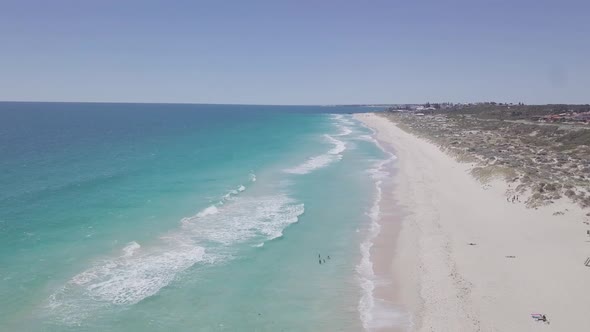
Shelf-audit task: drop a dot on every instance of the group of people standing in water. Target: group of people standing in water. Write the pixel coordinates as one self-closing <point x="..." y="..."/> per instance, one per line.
<point x="322" y="260"/>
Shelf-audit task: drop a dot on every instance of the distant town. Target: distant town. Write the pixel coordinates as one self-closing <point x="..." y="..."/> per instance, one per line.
<point x="551" y="113"/>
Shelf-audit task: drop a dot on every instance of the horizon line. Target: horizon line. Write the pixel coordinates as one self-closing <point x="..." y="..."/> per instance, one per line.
<point x="198" y="103"/>
<point x="248" y="104"/>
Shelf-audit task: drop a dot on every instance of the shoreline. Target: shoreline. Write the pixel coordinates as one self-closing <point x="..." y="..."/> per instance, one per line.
<point x="378" y="307"/>
<point x="459" y="257"/>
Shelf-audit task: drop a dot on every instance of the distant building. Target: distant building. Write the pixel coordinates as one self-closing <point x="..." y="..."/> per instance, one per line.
<point x="566" y="117"/>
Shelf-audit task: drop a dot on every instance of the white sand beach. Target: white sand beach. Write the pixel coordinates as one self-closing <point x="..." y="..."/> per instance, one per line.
<point x="465" y="259"/>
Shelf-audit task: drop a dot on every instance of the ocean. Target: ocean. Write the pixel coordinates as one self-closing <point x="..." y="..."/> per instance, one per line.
<point x="180" y="217"/>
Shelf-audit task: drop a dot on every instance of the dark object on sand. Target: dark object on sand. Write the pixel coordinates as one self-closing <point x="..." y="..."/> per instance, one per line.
<point x="587" y="262"/>
<point x="540" y="318"/>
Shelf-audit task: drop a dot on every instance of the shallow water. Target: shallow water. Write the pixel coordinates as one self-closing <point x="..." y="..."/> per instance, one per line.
<point x="144" y="217"/>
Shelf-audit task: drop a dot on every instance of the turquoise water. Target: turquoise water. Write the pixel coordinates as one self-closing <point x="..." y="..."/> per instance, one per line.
<point x="149" y="217"/>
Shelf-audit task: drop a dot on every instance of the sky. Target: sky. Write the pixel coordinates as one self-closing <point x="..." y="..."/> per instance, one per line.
<point x="295" y="52"/>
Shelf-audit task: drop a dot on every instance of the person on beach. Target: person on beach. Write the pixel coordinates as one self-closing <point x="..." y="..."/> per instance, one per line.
<point x="540" y="318"/>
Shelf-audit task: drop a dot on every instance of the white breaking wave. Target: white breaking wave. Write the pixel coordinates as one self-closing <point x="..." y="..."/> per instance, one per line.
<point x="130" y="249"/>
<point x="123" y="280"/>
<point x="234" y="192"/>
<point x="208" y="211"/>
<point x="367" y="307"/>
<point x="227" y="197"/>
<point x="367" y="138"/>
<point x="313" y="163"/>
<point x="339" y="146"/>
<point x="343" y="119"/>
<point x="128" y="279"/>
<point x="322" y="160"/>
<point x="245" y="219"/>
<point x="343" y="124"/>
<point x="334" y="154"/>
<point x="374" y="313"/>
<point x="365" y="267"/>
<point x="344" y="131"/>
<point x="140" y="272"/>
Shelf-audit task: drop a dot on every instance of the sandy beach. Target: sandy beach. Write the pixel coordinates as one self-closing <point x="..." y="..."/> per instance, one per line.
<point x="459" y="257"/>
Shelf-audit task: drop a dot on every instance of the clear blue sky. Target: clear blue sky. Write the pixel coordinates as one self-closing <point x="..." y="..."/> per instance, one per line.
<point x="295" y="52"/>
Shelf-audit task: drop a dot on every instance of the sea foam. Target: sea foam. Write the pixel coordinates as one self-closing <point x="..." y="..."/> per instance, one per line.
<point x="374" y="312"/>
<point x="123" y="280"/>
<point x="343" y="124"/>
<point x="246" y="218"/>
<point x="130" y="279"/>
<point x="139" y="272"/>
<point x="208" y="211"/>
<point x="130" y="249"/>
<point x="332" y="155"/>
